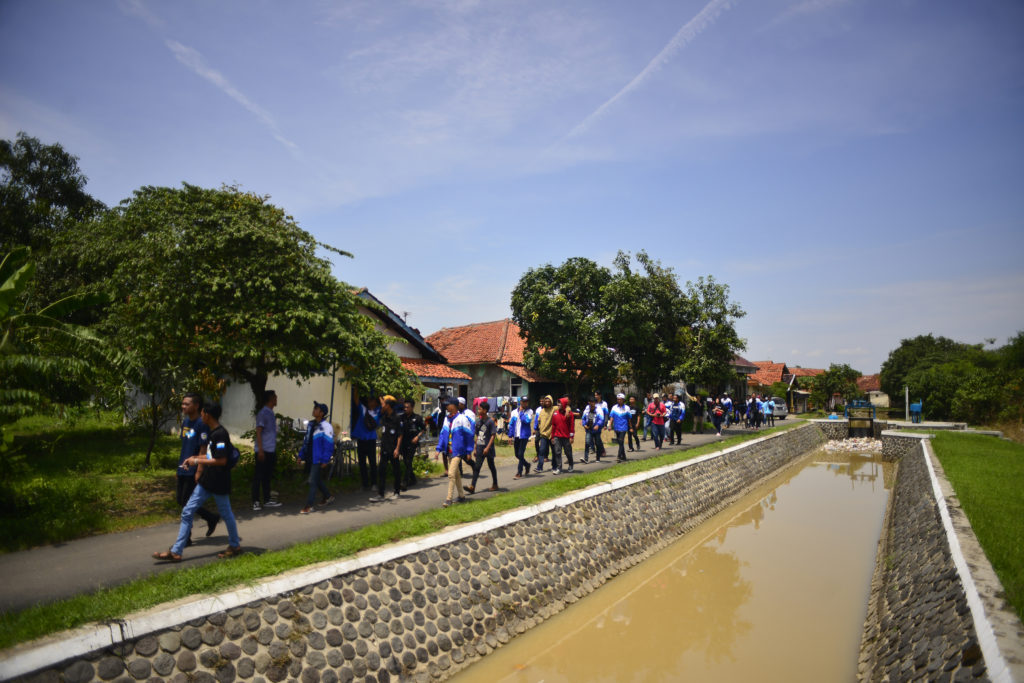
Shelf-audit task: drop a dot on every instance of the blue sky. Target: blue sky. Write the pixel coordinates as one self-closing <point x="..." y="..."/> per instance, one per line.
<point x="852" y="169"/>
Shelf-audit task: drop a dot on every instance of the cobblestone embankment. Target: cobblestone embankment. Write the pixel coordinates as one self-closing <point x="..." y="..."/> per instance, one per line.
<point x="919" y="625"/>
<point x="426" y="614"/>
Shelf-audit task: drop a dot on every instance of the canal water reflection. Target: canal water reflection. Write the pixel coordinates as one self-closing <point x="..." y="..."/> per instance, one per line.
<point x="774" y="588"/>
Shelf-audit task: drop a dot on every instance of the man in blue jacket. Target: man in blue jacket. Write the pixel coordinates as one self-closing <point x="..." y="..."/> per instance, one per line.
<point x="364" y="431"/>
<point x="520" y="426"/>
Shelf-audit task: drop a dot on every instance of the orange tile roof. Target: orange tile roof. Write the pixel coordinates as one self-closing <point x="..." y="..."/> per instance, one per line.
<point x="424" y="368"/>
<point x="496" y="342"/>
<point x="869" y="383"/>
<point x="768" y="373"/>
<point x="520" y="371"/>
<point x="806" y="372"/>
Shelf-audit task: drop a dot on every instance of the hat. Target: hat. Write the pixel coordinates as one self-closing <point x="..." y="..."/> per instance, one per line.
<point x="656" y="396"/>
<point x="564" y="401"/>
<point x="620" y="396"/>
<point x="321" y="406"/>
<point x="462" y="401"/>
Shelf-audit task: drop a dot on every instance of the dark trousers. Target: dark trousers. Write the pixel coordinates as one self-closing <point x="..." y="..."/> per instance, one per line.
<point x="593" y="441"/>
<point x="633" y="438"/>
<point x="560" y="445"/>
<point x="659" y="434"/>
<point x="520" y="448"/>
<point x="677" y="432"/>
<point x="478" y="464"/>
<point x="261" y="475"/>
<point x="388" y="459"/>
<point x="408" y="453"/>
<point x="620" y="437"/>
<point x="366" y="450"/>
<point x="186" y="485"/>
<point x="318" y="481"/>
<point x="543" y="444"/>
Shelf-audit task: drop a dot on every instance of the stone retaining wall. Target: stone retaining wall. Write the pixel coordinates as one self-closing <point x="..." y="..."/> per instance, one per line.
<point x="895" y="444"/>
<point x="919" y="625"/>
<point x="425" y="615"/>
<point x="834" y="430"/>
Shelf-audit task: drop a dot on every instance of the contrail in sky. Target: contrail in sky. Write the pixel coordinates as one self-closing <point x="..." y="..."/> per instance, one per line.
<point x="681" y="39"/>
<point x="193" y="60"/>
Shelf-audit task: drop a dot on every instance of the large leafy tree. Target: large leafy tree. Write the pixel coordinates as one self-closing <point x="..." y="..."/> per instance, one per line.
<point x="225" y="281"/>
<point x="558" y="310"/>
<point x="709" y="339"/>
<point x="922" y="351"/>
<point x="838" y="380"/>
<point x="644" y="310"/>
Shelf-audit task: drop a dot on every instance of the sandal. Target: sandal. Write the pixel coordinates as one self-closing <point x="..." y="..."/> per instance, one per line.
<point x="232" y="551"/>
<point x="166" y="556"/>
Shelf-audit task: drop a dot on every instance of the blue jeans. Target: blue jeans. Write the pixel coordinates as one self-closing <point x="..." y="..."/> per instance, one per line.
<point x="315" y="482"/>
<point x="523" y="467"/>
<point x="593" y="442"/>
<point x="647" y="425"/>
<point x="199" y="496"/>
<point x="659" y="434"/>
<point x="543" y="444"/>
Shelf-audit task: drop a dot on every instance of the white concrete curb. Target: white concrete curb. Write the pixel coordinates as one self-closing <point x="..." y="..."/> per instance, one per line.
<point x="998" y="670"/>
<point x="38" y="654"/>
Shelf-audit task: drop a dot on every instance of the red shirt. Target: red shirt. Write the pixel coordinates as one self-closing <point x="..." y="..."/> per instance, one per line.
<point x="563" y="424"/>
<point x="657" y="412"/>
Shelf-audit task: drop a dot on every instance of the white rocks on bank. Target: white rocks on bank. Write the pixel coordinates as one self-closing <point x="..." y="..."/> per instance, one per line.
<point x="855" y="445"/>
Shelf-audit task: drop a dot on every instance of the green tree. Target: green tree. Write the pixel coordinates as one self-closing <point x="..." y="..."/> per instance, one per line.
<point x="709" y="341"/>
<point x="838" y="380"/>
<point x="226" y="281"/>
<point x="41" y="354"/>
<point x="644" y="311"/>
<point x="922" y="351"/>
<point x="558" y="310"/>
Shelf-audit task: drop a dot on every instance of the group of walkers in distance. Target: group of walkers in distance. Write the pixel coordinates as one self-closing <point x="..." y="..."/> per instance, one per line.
<point x="465" y="436"/>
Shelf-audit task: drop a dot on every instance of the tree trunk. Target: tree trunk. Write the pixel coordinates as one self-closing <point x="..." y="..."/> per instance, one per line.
<point x="154" y="425"/>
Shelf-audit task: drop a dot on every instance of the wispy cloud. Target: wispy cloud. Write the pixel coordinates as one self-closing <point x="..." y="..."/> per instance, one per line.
<point x="681" y="39"/>
<point x="194" y="61"/>
<point x="804" y="8"/>
<point x="139" y="9"/>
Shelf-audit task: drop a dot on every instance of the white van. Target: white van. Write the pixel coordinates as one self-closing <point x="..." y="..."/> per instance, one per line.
<point x="781" y="411"/>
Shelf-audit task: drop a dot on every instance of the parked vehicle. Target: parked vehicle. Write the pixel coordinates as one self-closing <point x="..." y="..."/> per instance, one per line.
<point x="781" y="411"/>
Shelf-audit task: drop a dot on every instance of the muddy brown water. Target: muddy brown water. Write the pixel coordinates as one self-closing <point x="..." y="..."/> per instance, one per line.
<point x="774" y="588"/>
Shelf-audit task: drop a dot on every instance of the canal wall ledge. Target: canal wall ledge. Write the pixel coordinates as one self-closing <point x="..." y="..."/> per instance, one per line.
<point x="936" y="610"/>
<point x="420" y="610"/>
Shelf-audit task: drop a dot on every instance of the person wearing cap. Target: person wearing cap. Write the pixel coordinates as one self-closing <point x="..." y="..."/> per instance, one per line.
<point x="320" y="452"/>
<point x="364" y="431"/>
<point x="656" y="409"/>
<point x="392" y="427"/>
<point x="520" y="425"/>
<point x="593" y="419"/>
<point x="468" y="412"/>
<point x="620" y="419"/>
<point x="563" y="429"/>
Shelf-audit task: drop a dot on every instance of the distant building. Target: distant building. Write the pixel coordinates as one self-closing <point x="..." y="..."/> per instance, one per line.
<point x="491" y="354"/>
<point x="872" y="386"/>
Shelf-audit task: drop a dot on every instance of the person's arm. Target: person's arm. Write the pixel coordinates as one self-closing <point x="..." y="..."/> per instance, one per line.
<point x="398" y="446"/>
<point x="490" y="442"/>
<point x="259" y="443"/>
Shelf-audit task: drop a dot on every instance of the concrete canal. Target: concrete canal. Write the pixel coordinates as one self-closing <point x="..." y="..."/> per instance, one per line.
<point x="773" y="588"/>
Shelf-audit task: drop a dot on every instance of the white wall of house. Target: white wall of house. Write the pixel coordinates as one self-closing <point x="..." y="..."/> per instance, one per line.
<point x="294" y="400"/>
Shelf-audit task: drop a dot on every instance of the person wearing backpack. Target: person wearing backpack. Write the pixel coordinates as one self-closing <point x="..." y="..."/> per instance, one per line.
<point x="194" y="436"/>
<point x="214" y="479"/>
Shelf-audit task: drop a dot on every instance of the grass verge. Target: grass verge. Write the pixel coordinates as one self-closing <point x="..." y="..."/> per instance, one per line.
<point x="119" y="601"/>
<point x="986" y="474"/>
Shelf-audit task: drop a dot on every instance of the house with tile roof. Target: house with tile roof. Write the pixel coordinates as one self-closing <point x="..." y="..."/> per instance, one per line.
<point x="295" y="399"/>
<point x="872" y="386"/>
<point x="491" y="353"/>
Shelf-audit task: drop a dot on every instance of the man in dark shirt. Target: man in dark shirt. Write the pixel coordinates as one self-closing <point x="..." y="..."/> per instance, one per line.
<point x="194" y="437"/>
<point x="411" y="435"/>
<point x="483" y="440"/>
<point x="214" y="480"/>
<point x="392" y="427"/>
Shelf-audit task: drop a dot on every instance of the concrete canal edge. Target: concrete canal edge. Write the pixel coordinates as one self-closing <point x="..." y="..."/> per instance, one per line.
<point x="424" y="609"/>
<point x="418" y="610"/>
<point x="936" y="610"/>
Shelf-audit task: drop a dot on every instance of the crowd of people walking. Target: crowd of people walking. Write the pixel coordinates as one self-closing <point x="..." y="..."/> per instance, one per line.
<point x="394" y="431"/>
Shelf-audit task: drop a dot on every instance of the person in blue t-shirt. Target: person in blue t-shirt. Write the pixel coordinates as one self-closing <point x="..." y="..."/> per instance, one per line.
<point x="194" y="438"/>
<point x="364" y="431"/>
<point x="620" y="418"/>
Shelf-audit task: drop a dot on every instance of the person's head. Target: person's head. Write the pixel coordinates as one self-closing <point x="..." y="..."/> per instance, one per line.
<point x="632" y="400"/>
<point x="211" y="413"/>
<point x="373" y="403"/>
<point x="546" y="402"/>
<point x="620" y="399"/>
<point x="591" y="401"/>
<point x="410" y="406"/>
<point x="319" y="410"/>
<point x="597" y="396"/>
<point x="451" y="407"/>
<point x="192" y="405"/>
<point x="270" y="398"/>
<point x="656" y="398"/>
<point x="483" y="408"/>
<point x="524" y="402"/>
<point x="563" y="403"/>
<point x="388" y="403"/>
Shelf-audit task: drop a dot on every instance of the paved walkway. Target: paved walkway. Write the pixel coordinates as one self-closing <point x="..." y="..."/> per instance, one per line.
<point x="63" y="570"/>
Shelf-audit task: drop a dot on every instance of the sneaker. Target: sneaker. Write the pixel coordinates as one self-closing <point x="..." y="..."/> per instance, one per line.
<point x="556" y="471"/>
<point x="469" y="489"/>
<point x="586" y="461"/>
<point x="570" y="469"/>
<point x="305" y="510"/>
<point x="460" y="500"/>
<point x="256" y="507"/>
<point x="272" y="504"/>
<point x="376" y="499"/>
<point x="328" y="500"/>
<point x="494" y="488"/>
<point x="446" y="504"/>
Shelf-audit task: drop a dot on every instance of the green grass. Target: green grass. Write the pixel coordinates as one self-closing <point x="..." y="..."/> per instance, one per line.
<point x="986" y="474"/>
<point x="119" y="601"/>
